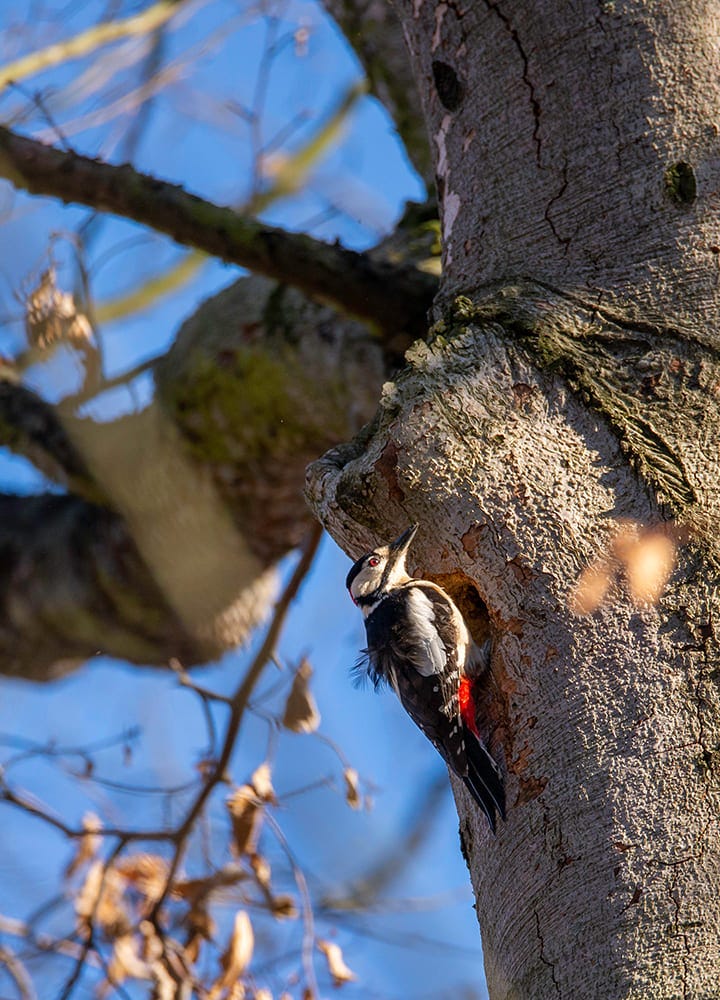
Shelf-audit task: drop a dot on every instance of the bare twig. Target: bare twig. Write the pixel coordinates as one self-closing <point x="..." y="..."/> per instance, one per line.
<point x="43" y="942"/>
<point x="88" y="41"/>
<point x="18" y="973"/>
<point x="89" y="942"/>
<point x="124" y="378"/>
<point x="308" y="946"/>
<point x="35" y="808"/>
<point x="238" y="705"/>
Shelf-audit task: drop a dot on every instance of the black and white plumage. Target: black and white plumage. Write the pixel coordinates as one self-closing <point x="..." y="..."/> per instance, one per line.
<point x="419" y="644"/>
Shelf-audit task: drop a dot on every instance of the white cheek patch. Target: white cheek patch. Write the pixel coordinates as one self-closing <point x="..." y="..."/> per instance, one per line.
<point x="366" y="583"/>
<point x="423" y="620"/>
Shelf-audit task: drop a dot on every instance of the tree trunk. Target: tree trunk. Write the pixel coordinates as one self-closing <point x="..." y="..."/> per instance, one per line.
<point x="572" y="383"/>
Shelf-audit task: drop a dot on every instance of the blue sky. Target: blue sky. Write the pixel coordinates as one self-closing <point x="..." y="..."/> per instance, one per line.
<point x="423" y="940"/>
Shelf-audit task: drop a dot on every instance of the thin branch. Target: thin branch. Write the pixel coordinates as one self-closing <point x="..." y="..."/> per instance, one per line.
<point x="393" y="297"/>
<point x="43" y="942"/>
<point x="88" y="944"/>
<point x="186" y="681"/>
<point x="50" y="749"/>
<point x="308" y="945"/>
<point x="35" y="808"/>
<point x="124" y="378"/>
<point x="18" y="973"/>
<point x="238" y="705"/>
<point x="88" y="41"/>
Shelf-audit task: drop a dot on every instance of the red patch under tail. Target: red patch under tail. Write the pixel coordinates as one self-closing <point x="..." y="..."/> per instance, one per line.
<point x="467" y="705"/>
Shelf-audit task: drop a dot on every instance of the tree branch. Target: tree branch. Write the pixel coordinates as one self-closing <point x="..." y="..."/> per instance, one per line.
<point x="88" y="41"/>
<point x="205" y="488"/>
<point x="29" y="427"/>
<point x="72" y="583"/>
<point x="392" y="297"/>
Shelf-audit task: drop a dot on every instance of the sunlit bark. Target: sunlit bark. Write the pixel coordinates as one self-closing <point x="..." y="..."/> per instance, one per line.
<point x="572" y="383"/>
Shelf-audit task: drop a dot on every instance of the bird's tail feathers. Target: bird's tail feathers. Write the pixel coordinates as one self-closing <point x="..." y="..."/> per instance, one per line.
<point x="484" y="780"/>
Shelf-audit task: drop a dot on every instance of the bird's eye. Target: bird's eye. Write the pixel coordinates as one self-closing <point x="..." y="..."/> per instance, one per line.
<point x="373" y="561"/>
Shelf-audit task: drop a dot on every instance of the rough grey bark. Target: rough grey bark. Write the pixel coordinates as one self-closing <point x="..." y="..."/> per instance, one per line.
<point x="577" y="144"/>
<point x="603" y="882"/>
<point x="572" y="383"/>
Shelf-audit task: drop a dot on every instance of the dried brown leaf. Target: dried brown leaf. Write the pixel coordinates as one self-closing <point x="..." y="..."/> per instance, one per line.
<point x="125" y="961"/>
<point x="89" y="892"/>
<point x="88" y="844"/>
<point x="591" y="588"/>
<point x="336" y="963"/>
<point x="352" y="790"/>
<point x="283" y="907"/>
<point x="147" y="873"/>
<point x="201" y="927"/>
<point x="261" y="868"/>
<point x="262" y="994"/>
<point x="262" y="783"/>
<point x="196" y="890"/>
<point x="236" y="957"/>
<point x="100" y="901"/>
<point x="301" y="711"/>
<point x="246" y="818"/>
<point x="152" y="945"/>
<point x="52" y="316"/>
<point x="164" y="986"/>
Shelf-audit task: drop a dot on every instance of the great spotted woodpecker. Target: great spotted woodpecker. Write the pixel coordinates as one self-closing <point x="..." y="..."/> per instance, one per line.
<point x="418" y="642"/>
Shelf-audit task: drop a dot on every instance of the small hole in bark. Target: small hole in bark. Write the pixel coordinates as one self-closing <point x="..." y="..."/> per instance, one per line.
<point x="450" y="88"/>
<point x="680" y="183"/>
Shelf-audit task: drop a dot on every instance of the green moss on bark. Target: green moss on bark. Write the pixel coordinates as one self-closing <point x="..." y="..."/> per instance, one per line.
<point x="654" y="388"/>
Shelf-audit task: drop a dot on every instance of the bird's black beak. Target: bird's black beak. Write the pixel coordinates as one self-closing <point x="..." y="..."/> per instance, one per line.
<point x="399" y="547"/>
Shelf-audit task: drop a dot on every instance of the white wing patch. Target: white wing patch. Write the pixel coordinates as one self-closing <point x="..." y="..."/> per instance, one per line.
<point x="432" y="657"/>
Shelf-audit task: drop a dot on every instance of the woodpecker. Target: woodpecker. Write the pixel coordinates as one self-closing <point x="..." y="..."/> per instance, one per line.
<point x="418" y="642"/>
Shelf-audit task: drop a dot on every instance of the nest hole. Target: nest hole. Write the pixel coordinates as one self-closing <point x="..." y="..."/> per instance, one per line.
<point x="473" y="608"/>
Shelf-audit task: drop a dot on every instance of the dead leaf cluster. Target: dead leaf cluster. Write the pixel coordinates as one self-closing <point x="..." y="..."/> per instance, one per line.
<point x="52" y="316"/>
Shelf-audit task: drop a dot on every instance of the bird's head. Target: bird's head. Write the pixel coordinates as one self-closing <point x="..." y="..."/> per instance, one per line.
<point x="379" y="571"/>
